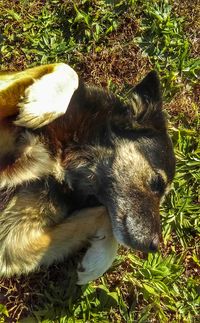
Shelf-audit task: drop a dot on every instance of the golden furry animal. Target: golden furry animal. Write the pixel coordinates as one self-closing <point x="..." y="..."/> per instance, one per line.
<point x="78" y="166"/>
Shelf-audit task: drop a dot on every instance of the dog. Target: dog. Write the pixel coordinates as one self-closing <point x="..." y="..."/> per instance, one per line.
<point x="79" y="166"/>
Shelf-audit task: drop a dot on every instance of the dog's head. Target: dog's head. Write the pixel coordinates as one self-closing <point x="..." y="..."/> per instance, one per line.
<point x="130" y="165"/>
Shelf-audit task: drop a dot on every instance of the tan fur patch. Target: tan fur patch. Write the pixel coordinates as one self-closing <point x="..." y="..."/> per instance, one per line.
<point x="13" y="85"/>
<point x="38" y="95"/>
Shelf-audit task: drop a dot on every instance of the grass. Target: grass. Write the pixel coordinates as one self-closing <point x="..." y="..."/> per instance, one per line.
<point x="112" y="44"/>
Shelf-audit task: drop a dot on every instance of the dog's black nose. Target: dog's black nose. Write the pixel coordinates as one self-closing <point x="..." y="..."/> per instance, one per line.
<point x="154" y="244"/>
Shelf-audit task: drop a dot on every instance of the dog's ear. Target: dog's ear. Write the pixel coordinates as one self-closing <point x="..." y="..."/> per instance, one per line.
<point x="38" y="95"/>
<point x="147" y="103"/>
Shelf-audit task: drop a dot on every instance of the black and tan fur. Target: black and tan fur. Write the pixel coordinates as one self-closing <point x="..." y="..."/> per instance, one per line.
<point x="58" y="181"/>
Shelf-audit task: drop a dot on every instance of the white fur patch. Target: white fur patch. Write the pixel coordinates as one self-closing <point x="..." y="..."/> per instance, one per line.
<point x="98" y="258"/>
<point x="47" y="98"/>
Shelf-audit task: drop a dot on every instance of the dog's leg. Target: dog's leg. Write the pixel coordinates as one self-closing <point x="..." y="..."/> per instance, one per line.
<point x="95" y="226"/>
<point x="25" y="249"/>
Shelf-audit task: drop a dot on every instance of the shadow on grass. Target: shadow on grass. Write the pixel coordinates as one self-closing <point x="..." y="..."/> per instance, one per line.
<point x="52" y="294"/>
<point x="42" y="292"/>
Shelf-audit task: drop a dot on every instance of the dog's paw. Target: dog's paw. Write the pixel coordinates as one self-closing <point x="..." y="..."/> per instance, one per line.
<point x="48" y="97"/>
<point x="98" y="258"/>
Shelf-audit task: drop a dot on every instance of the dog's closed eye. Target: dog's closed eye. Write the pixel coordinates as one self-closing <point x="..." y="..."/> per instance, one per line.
<point x="157" y="184"/>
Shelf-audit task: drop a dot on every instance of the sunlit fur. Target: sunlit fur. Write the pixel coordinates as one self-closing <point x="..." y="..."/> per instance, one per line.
<point x="37" y="95"/>
<point x="58" y="182"/>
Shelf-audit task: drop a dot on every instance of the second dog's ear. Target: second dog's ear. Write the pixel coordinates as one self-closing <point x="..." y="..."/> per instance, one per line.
<point x="147" y="103"/>
<point x="38" y="95"/>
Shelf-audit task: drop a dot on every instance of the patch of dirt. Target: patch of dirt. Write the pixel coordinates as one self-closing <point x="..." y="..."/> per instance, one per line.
<point x="24" y="294"/>
<point x="185" y="104"/>
<point x="191" y="11"/>
<point x="119" y="62"/>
